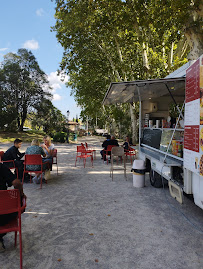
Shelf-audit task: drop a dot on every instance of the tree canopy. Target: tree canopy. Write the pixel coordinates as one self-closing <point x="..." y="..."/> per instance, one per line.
<point x="119" y="40"/>
<point x="47" y="117"/>
<point x="23" y="88"/>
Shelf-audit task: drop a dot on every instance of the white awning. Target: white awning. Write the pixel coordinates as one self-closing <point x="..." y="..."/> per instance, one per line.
<point x="140" y="90"/>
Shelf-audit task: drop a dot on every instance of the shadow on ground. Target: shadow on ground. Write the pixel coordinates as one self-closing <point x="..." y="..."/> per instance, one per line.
<point x="82" y="219"/>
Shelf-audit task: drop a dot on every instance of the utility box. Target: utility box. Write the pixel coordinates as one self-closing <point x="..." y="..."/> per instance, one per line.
<point x="153" y="107"/>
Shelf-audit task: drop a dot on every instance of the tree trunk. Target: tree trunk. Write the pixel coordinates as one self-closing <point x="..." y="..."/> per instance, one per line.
<point x="18" y="122"/>
<point x="144" y="56"/>
<point x="23" y="118"/>
<point x="195" y="42"/>
<point x="121" y="58"/>
<point x="164" y="55"/>
<point x="170" y="57"/>
<point x="134" y="124"/>
<point x="132" y="114"/>
<point x="116" y="73"/>
<point x="194" y="32"/>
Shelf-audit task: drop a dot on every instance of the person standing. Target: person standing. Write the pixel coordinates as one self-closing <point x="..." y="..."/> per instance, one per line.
<point x="13" y="153"/>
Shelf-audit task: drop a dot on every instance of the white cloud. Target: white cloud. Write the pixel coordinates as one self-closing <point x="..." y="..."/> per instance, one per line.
<point x="31" y="44"/>
<point x="56" y="97"/>
<point x="40" y="12"/>
<point x="56" y="81"/>
<point x="56" y="86"/>
<point x="3" y="49"/>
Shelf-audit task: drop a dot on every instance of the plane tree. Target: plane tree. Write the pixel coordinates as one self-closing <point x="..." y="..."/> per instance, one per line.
<point x="118" y="40"/>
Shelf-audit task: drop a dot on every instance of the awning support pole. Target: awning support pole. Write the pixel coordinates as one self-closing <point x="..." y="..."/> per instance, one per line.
<point x="174" y="132"/>
<point x="140" y="117"/>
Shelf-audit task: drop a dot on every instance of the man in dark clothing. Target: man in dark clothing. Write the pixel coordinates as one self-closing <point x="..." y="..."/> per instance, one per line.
<point x="13" y="153"/>
<point x="104" y="145"/>
<point x="112" y="142"/>
<point x="7" y="179"/>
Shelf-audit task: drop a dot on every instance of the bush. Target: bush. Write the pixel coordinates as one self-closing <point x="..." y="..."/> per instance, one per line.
<point x="39" y="132"/>
<point x="60" y="137"/>
<point x="12" y="126"/>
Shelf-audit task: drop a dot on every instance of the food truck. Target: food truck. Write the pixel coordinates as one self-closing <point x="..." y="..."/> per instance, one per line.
<point x="170" y="127"/>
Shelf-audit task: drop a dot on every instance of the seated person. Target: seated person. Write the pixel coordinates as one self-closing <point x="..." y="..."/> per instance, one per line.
<point x="48" y="148"/>
<point x="36" y="149"/>
<point x="7" y="179"/>
<point x="13" y="153"/>
<point x="111" y="142"/>
<point x="127" y="144"/>
<point x="104" y="145"/>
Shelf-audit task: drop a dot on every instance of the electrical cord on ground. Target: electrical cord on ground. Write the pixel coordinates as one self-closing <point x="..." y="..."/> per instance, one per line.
<point x="176" y="209"/>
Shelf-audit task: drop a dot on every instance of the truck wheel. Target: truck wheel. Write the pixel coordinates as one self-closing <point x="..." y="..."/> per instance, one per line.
<point x="156" y="180"/>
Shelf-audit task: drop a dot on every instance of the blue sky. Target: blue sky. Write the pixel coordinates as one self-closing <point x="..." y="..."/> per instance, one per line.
<point x="26" y="24"/>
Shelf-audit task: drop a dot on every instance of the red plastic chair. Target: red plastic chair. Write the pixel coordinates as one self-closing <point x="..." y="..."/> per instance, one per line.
<point x="131" y="152"/>
<point x="86" y="149"/>
<point x="10" y="203"/>
<point x="82" y="145"/>
<point x="54" y="159"/>
<point x="92" y="150"/>
<point x="82" y="153"/>
<point x="11" y="162"/>
<point x="33" y="159"/>
<point x="107" y="152"/>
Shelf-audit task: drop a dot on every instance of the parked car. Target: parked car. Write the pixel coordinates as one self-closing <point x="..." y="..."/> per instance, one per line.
<point x="26" y="129"/>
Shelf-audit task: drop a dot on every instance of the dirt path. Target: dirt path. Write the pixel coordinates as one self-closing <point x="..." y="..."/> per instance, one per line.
<point x="81" y="219"/>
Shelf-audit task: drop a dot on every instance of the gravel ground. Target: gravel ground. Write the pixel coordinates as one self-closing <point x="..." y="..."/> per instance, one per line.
<point x="82" y="219"/>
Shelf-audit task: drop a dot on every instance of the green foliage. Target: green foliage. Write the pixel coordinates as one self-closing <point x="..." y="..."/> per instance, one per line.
<point x="22" y="85"/>
<point x="60" y="137"/>
<point x="47" y="117"/>
<point x="25" y="95"/>
<point x="117" y="40"/>
<point x="173" y="111"/>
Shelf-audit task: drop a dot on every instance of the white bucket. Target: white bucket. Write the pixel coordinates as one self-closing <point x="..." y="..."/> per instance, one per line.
<point x="138" y="179"/>
<point x="157" y="123"/>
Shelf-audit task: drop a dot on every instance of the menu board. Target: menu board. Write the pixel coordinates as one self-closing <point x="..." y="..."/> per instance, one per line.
<point x="192" y="112"/>
<point x="192" y="90"/>
<point x="193" y="135"/>
<point x="191" y="138"/>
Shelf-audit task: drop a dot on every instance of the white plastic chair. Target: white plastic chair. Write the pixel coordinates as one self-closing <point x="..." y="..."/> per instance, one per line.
<point x="118" y="152"/>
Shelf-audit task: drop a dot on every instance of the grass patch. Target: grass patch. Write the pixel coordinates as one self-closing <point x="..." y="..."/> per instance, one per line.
<point x="27" y="136"/>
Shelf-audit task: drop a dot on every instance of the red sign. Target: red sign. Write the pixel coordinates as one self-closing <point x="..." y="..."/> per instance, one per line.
<point x="192" y="89"/>
<point x="191" y="138"/>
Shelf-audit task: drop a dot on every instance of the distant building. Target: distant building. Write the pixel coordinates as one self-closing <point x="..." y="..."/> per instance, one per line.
<point x="73" y="126"/>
